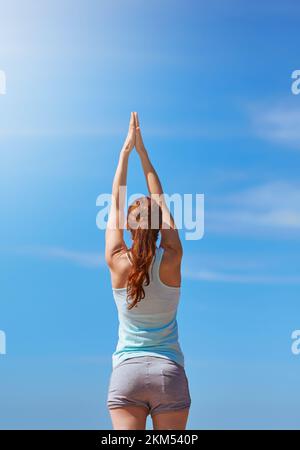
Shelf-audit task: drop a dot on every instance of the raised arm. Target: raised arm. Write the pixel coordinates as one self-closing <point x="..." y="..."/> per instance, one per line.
<point x="169" y="234"/>
<point x="114" y="236"/>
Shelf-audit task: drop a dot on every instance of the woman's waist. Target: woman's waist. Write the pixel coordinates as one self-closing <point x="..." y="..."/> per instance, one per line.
<point x="148" y="338"/>
<point x="148" y="330"/>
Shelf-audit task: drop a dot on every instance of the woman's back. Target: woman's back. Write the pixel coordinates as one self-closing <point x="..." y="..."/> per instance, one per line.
<point x="149" y="328"/>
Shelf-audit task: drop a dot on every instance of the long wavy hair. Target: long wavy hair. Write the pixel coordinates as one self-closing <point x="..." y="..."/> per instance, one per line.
<point x="144" y="221"/>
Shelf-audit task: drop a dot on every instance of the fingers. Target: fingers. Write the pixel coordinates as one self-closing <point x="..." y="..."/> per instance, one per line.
<point x="132" y="121"/>
<point x="137" y="122"/>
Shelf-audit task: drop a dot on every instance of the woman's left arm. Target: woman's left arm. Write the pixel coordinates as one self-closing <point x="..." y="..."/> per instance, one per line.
<point x="114" y="240"/>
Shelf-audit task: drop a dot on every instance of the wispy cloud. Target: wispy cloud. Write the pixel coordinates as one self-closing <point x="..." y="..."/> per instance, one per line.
<point x="193" y="131"/>
<point x="246" y="278"/>
<point x="109" y="130"/>
<point x="211" y="268"/>
<point x="84" y="259"/>
<point x="278" y="123"/>
<point x="236" y="266"/>
<point x="269" y="208"/>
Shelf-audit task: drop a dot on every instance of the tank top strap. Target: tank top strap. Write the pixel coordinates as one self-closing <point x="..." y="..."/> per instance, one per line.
<point x="127" y="254"/>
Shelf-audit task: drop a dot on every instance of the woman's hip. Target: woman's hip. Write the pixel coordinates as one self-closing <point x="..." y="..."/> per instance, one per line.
<point x="150" y="380"/>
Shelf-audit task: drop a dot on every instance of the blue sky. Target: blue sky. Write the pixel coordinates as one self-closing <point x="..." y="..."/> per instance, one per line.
<point x="211" y="81"/>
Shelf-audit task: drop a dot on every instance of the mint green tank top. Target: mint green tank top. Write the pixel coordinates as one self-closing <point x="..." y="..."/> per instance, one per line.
<point x="151" y="327"/>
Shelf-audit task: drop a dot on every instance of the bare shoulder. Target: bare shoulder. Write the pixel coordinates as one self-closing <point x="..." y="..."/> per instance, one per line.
<point x="172" y="255"/>
<point x="119" y="259"/>
<point x="170" y="267"/>
<point x="119" y="269"/>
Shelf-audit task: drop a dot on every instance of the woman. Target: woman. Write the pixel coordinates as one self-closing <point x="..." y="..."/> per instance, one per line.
<point x="148" y="374"/>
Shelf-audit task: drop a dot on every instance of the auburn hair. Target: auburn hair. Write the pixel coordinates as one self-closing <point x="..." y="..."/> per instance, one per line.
<point x="144" y="220"/>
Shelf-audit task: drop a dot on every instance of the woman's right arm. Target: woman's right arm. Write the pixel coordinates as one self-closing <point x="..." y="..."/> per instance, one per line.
<point x="115" y="243"/>
<point x="169" y="234"/>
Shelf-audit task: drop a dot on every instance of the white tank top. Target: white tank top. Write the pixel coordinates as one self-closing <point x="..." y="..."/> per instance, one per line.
<point x="151" y="327"/>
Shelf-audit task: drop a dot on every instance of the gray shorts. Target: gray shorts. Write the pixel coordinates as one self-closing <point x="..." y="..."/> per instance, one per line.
<point x="159" y="384"/>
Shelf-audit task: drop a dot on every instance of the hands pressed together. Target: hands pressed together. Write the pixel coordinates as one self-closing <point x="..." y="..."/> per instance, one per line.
<point x="134" y="136"/>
